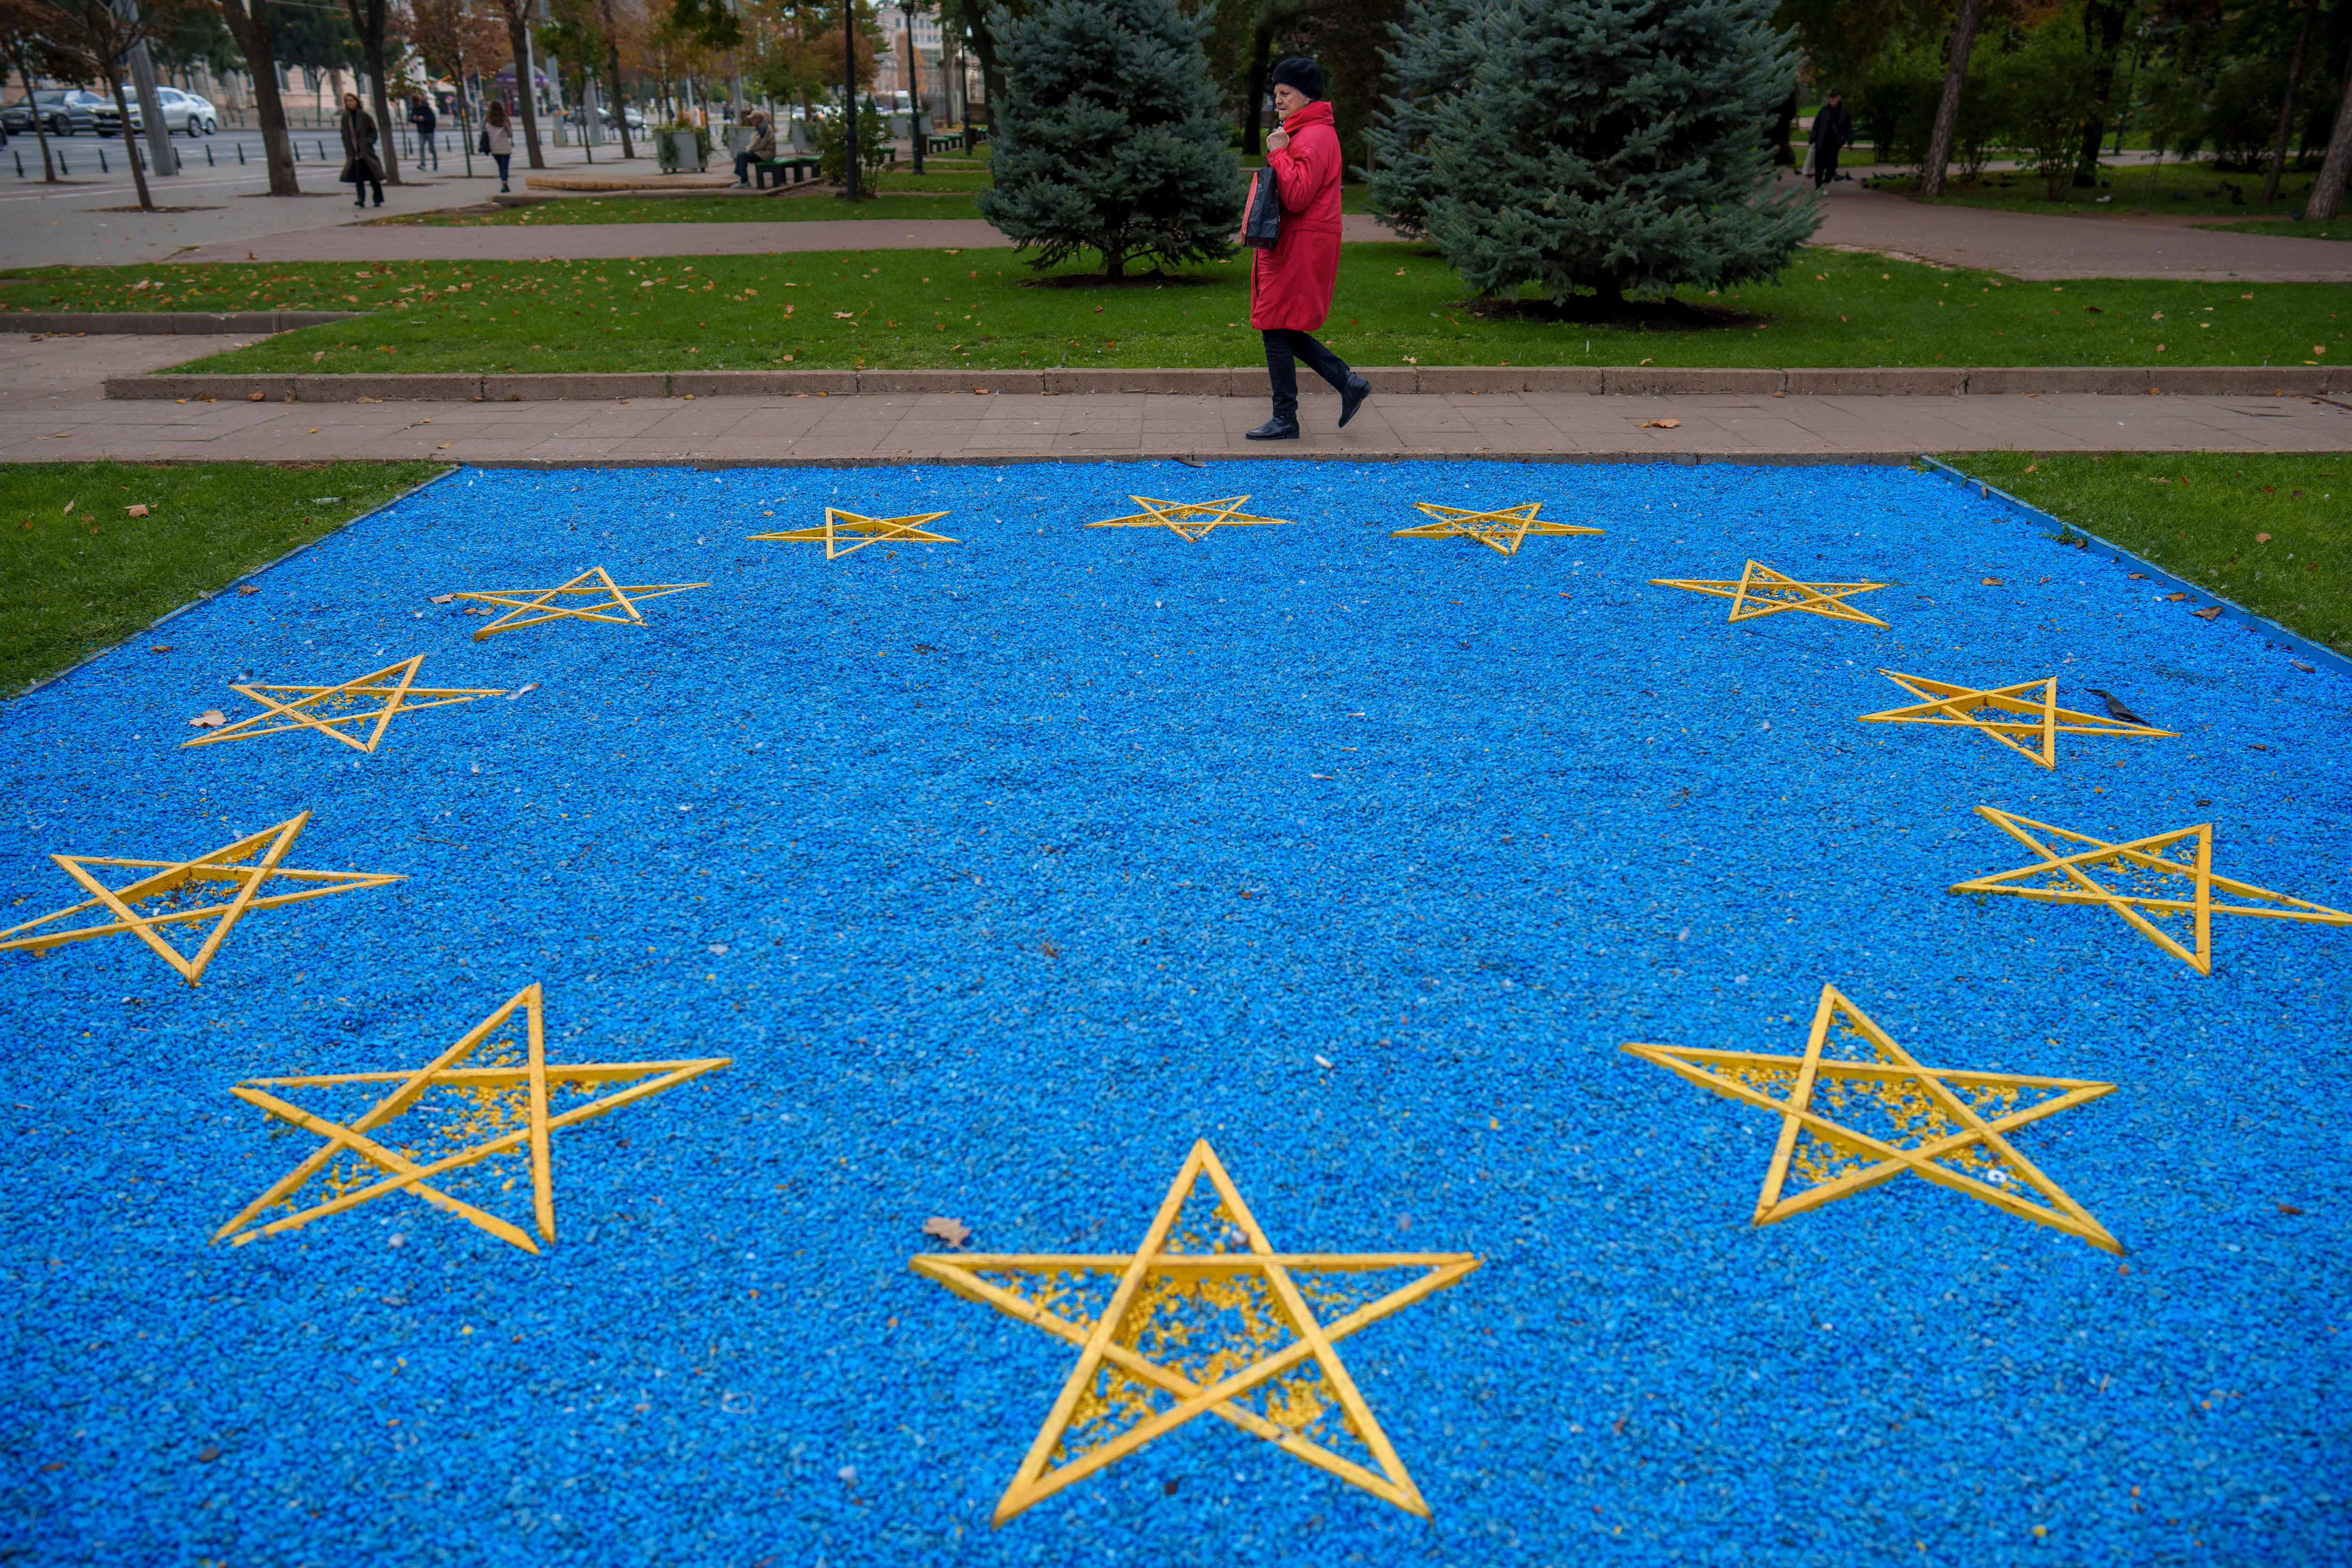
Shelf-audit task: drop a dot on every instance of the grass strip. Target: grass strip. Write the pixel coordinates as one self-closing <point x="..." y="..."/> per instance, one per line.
<point x="985" y="309"/>
<point x="2267" y="531"/>
<point x="78" y="574"/>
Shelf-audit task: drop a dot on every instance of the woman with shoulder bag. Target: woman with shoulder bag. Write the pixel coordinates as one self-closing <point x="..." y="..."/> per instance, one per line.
<point x="497" y="141"/>
<point x="1291" y="284"/>
<point x="360" y="168"/>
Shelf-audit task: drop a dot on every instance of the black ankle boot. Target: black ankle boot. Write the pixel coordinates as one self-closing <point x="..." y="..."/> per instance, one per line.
<point x="1353" y="398"/>
<point x="1275" y="429"/>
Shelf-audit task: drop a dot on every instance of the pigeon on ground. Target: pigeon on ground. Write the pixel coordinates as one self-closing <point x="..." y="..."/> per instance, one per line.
<point x="2116" y="709"/>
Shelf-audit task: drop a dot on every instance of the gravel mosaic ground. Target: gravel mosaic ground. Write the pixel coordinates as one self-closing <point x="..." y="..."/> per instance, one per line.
<point x="1002" y="870"/>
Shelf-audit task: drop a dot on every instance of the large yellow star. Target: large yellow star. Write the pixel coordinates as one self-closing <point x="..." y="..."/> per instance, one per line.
<point x="502" y="1102"/>
<point x="602" y="598"/>
<point x="392" y="690"/>
<point x="1500" y="530"/>
<point x="1760" y="591"/>
<point x="166" y="878"/>
<point x="1192" y="520"/>
<point x="840" y="525"/>
<point x="1204" y="1317"/>
<point x="1945" y="1124"/>
<point x="2142" y="876"/>
<point x="1965" y="706"/>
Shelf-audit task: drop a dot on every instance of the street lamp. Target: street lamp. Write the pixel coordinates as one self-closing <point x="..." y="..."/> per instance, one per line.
<point x="914" y="84"/>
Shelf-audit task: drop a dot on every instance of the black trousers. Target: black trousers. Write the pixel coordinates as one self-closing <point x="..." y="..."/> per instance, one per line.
<point x="1824" y="165"/>
<point x="1283" y="348"/>
<point x="360" y="183"/>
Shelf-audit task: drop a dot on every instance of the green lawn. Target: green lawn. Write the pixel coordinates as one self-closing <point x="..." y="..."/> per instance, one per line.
<point x="2272" y="533"/>
<point x="1396" y="304"/>
<point x="75" y="580"/>
<point x="2191" y="188"/>
<point x="804" y="209"/>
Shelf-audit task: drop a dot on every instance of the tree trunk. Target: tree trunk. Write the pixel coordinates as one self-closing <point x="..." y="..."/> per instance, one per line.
<point x="40" y="131"/>
<point x="129" y="139"/>
<point x="612" y="71"/>
<point x="251" y="30"/>
<point x="368" y="21"/>
<point x="1261" y="44"/>
<point x="2327" y="195"/>
<point x="2286" y="110"/>
<point x="1947" y="112"/>
<point x="525" y="103"/>
<point x="2108" y="17"/>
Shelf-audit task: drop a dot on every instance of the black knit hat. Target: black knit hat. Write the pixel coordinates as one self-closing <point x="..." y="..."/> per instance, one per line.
<point x="1301" y="73"/>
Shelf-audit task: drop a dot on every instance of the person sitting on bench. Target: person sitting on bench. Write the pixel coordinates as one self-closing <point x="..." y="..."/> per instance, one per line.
<point x="762" y="150"/>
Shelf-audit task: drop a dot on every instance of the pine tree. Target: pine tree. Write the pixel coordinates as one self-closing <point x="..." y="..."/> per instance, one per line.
<point x="1111" y="137"/>
<point x="1600" y="146"/>
<point x="1433" y="65"/>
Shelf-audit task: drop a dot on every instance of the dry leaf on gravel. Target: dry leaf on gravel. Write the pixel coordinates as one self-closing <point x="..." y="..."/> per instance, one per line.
<point x="2174" y="598"/>
<point x="954" y="1232"/>
<point x="1992" y="581"/>
<point x="246" y="590"/>
<point x="443" y="598"/>
<point x="210" y="719"/>
<point x="2288" y="1208"/>
<point x="159" y="647"/>
<point x="2213" y="614"/>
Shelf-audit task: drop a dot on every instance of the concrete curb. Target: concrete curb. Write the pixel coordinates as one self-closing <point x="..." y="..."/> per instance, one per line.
<point x="167" y="323"/>
<point x="2317" y="653"/>
<point x="1641" y="381"/>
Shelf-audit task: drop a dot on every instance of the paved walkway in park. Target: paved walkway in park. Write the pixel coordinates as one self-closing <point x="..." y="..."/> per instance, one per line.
<point x="50" y="410"/>
<point x="2025" y="245"/>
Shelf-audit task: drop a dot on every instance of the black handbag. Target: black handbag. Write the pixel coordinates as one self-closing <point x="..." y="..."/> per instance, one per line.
<point x="1262" y="225"/>
<point x="485" y="145"/>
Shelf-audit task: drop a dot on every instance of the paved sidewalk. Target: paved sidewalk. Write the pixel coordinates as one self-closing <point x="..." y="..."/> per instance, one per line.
<point x="2024" y="245"/>
<point x="52" y="411"/>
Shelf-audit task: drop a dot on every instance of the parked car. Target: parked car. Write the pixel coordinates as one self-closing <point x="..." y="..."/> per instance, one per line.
<point x="60" y="109"/>
<point x="188" y="111"/>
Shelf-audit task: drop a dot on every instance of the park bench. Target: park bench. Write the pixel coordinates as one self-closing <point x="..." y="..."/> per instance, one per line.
<point x="800" y="165"/>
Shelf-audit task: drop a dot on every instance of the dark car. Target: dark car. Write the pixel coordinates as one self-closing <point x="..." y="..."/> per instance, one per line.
<point x="61" y="108"/>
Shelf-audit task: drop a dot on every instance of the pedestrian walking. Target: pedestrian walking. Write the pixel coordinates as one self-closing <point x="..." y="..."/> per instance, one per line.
<point x="421" y="116"/>
<point x="361" y="169"/>
<point x="497" y="140"/>
<point x="1291" y="283"/>
<point x="761" y="149"/>
<point x="1832" y="129"/>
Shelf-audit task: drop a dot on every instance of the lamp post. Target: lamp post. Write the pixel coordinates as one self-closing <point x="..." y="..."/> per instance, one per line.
<point x="849" y="97"/>
<point x="914" y="84"/>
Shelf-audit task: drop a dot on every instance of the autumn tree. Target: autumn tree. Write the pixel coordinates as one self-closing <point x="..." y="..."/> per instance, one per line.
<point x="586" y="32"/>
<point x="372" y="22"/>
<point x="250" y="24"/>
<point x="516" y="17"/>
<point x="452" y="39"/>
<point x="25" y="48"/>
<point x="92" y="39"/>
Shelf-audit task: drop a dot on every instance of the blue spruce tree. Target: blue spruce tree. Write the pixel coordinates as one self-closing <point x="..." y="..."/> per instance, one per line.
<point x="1111" y="136"/>
<point x="1592" y="147"/>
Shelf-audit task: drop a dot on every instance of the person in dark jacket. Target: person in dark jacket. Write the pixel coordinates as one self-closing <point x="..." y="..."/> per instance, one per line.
<point x="361" y="169"/>
<point x="1832" y="129"/>
<point x="421" y="116"/>
<point x="1291" y="285"/>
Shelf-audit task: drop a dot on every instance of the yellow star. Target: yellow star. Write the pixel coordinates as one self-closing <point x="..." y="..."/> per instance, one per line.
<point x="393" y="686"/>
<point x="1945" y="1124"/>
<point x="2140" y="869"/>
<point x="536" y="607"/>
<point x="1965" y="706"/>
<point x="165" y="879"/>
<point x="500" y="1104"/>
<point x="1761" y="591"/>
<point x="1184" y="517"/>
<point x="1204" y="1317"/>
<point x="1490" y="529"/>
<point x="877" y="530"/>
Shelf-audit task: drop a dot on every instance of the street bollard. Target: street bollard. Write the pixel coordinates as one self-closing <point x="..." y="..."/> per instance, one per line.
<point x="240" y="154"/>
<point x="101" y="162"/>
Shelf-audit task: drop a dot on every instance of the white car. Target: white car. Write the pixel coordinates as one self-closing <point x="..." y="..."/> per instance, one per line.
<point x="187" y="112"/>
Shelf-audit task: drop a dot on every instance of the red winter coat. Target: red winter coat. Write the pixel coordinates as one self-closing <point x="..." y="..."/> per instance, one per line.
<point x="1290" y="286"/>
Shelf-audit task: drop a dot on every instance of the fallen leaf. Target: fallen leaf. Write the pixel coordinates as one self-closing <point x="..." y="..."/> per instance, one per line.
<point x="69" y="512"/>
<point x="2032" y="468"/>
<point x="207" y="1454"/>
<point x="210" y="719"/>
<point x="2257" y="746"/>
<point x="139" y="510"/>
<point x="2306" y="669"/>
<point x="256" y="397"/>
<point x="1991" y="582"/>
<point x="844" y="315"/>
<point x="159" y="647"/>
<point x="443" y="598"/>
<point x="2213" y="614"/>
<point x="2287" y="1208"/>
<point x="2136" y="576"/>
<point x="2261" y="539"/>
<point x="246" y="590"/>
<point x="1662" y="424"/>
<point x="954" y="1232"/>
<point x="2157" y="479"/>
<point x="2174" y="598"/>
<point x="526" y="686"/>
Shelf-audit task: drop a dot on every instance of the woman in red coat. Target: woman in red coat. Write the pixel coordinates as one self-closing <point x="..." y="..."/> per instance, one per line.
<point x="1290" y="285"/>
